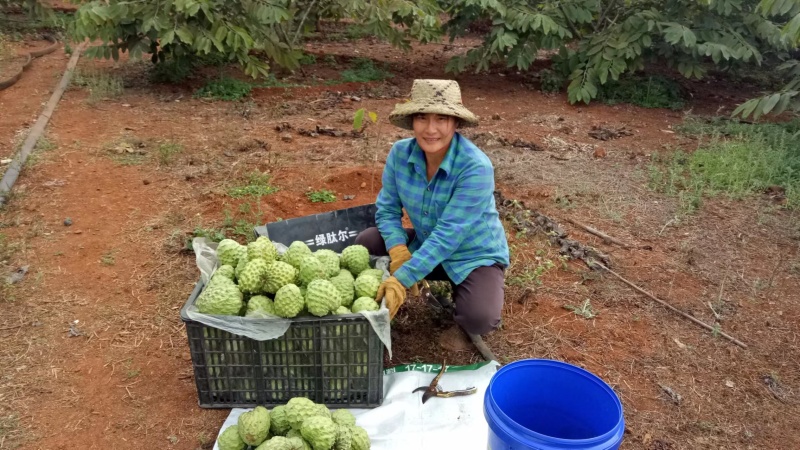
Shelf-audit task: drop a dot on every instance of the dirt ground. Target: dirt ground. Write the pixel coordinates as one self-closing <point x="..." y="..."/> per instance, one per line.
<point x="95" y="354"/>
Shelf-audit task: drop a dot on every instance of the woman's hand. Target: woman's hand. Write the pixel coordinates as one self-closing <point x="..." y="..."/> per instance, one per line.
<point x="399" y="255"/>
<point x="394" y="293"/>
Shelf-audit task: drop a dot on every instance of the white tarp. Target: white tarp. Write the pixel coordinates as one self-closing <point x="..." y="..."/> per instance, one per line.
<point x="402" y="422"/>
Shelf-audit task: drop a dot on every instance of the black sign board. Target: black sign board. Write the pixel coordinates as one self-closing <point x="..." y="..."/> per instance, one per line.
<point x="334" y="230"/>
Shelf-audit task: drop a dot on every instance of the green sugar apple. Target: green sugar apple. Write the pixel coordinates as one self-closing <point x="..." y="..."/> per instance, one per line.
<point x="377" y="273"/>
<point x="345" y="285"/>
<point x="342" y="310"/>
<point x="230" y="439"/>
<point x="297" y="439"/>
<point x="346" y="273"/>
<point x="226" y="271"/>
<point x="240" y="265"/>
<point x="262" y="248"/>
<point x="329" y="260"/>
<point x="220" y="298"/>
<point x="254" y="426"/>
<point x="295" y="253"/>
<point x="229" y="252"/>
<point x="344" y="437"/>
<point x="365" y="286"/>
<point x="311" y="269"/>
<point x="319" y="431"/>
<point x="322" y="298"/>
<point x="253" y="276"/>
<point x="288" y="301"/>
<point x="343" y="417"/>
<point x="365" y="304"/>
<point x="298" y="443"/>
<point x="278" y="421"/>
<point x="276" y="443"/>
<point x="323" y="410"/>
<point x="259" y="306"/>
<point x="360" y="438"/>
<point x="298" y="409"/>
<point x="279" y="274"/>
<point x="355" y="258"/>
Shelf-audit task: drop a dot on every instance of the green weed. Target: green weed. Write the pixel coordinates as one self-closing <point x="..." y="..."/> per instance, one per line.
<point x="551" y="81"/>
<point x="321" y="196"/>
<point x="735" y="159"/>
<point x="308" y="59"/>
<point x="584" y="310"/>
<point x="167" y="152"/>
<point x="171" y="71"/>
<point x="364" y="70"/>
<point x="531" y="277"/>
<point x="109" y="258"/>
<point x="648" y="92"/>
<point x="258" y="184"/>
<point x="224" y="88"/>
<point x="101" y="85"/>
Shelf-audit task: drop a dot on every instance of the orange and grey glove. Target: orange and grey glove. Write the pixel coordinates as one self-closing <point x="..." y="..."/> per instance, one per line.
<point x="400" y="255"/>
<point x="395" y="294"/>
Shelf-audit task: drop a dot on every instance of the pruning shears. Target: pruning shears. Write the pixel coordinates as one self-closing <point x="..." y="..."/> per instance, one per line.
<point x="434" y="390"/>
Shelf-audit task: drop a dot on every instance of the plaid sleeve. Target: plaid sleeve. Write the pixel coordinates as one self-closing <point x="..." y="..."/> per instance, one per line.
<point x="389" y="214"/>
<point x="473" y="194"/>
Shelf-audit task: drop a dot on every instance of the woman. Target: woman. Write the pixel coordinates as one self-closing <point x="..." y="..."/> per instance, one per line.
<point x="446" y="185"/>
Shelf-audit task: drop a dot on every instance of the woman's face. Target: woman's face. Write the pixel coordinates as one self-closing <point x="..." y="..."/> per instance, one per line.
<point x="434" y="132"/>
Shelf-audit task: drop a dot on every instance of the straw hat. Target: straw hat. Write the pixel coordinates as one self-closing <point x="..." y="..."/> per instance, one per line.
<point x="433" y="96"/>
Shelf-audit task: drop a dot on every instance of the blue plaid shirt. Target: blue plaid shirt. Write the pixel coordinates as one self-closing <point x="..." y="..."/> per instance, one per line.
<point x="454" y="215"/>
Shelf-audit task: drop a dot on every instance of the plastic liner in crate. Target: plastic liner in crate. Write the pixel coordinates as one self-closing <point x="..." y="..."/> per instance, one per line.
<point x="335" y="360"/>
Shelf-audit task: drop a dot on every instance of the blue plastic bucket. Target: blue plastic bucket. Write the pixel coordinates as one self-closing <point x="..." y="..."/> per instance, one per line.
<point x="551" y="405"/>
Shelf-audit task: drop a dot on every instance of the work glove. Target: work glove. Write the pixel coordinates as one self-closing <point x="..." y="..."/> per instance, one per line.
<point x="399" y="255"/>
<point x="395" y="294"/>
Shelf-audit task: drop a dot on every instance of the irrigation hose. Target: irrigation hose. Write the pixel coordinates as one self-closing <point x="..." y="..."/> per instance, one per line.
<point x="18" y="162"/>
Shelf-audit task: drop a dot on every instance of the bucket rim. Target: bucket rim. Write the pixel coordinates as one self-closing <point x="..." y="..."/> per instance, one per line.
<point x="491" y="406"/>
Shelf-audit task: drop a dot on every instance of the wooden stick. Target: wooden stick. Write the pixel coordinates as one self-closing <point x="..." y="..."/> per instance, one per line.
<point x="598" y="233"/>
<point x="670" y="307"/>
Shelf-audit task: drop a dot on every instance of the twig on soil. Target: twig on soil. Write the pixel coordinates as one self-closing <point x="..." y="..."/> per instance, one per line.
<point x="598" y="233"/>
<point x="666" y="225"/>
<point x="593" y="264"/>
<point x="716" y="314"/>
<point x="523" y="299"/>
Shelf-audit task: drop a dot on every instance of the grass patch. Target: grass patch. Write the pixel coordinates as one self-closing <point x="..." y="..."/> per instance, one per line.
<point x="734" y="159"/>
<point x="321" y="196"/>
<point x="308" y="59"/>
<point x="101" y="85"/>
<point x="258" y="184"/>
<point x="364" y="70"/>
<point x="645" y="91"/>
<point x="224" y="88"/>
<point x="166" y="152"/>
<point x="109" y="258"/>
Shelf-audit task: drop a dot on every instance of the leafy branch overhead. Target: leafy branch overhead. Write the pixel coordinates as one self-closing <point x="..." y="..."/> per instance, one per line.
<point x="601" y="40"/>
<point x="252" y="33"/>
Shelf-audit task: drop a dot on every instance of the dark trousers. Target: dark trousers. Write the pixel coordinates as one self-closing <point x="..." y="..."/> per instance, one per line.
<point x="478" y="299"/>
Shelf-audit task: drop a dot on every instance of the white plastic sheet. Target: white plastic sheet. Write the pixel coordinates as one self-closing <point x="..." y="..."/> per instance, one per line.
<point x="402" y="422"/>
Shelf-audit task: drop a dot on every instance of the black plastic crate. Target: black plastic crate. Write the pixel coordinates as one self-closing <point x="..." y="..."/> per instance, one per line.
<point x="334" y="360"/>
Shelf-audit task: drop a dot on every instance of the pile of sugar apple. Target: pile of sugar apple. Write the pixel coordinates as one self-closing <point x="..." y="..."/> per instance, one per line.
<point x="253" y="280"/>
<point x="300" y="424"/>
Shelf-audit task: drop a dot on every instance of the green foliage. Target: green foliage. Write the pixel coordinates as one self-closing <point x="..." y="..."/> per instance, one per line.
<point x="253" y="34"/>
<point x="167" y="152"/>
<point x="648" y="92"/>
<point x="308" y="59"/>
<point x="603" y="40"/>
<point x="224" y="88"/>
<point x="585" y="310"/>
<point x="551" y="81"/>
<point x="258" y="184"/>
<point x="364" y="70"/>
<point x="172" y="71"/>
<point x="736" y="159"/>
<point x="100" y="84"/>
<point x="321" y="196"/>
